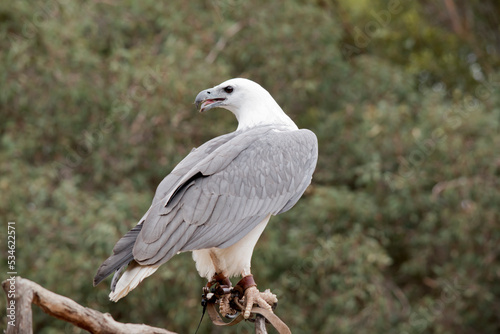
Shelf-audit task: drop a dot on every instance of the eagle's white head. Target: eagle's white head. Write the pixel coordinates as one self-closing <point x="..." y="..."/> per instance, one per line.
<point x="247" y="100"/>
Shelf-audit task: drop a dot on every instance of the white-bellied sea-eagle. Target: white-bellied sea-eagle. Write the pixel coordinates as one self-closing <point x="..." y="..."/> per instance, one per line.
<point x="219" y="198"/>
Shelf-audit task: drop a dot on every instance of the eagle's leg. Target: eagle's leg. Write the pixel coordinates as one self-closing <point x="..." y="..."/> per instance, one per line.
<point x="248" y="288"/>
<point x="220" y="278"/>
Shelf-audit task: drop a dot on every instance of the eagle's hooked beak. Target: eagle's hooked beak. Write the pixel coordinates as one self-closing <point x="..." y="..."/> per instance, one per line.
<point x="207" y="99"/>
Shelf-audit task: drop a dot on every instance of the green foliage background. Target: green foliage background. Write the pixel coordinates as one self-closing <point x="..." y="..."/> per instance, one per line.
<point x="399" y="232"/>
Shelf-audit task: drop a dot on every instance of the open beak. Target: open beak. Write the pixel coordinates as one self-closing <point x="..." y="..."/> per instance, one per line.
<point x="206" y="100"/>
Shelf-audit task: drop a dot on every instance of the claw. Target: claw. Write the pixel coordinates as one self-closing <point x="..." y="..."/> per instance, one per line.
<point x="225" y="307"/>
<point x="269" y="297"/>
<point x="263" y="299"/>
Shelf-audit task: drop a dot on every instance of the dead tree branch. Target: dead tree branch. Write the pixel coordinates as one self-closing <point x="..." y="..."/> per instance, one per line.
<point x="260" y="325"/>
<point x="21" y="293"/>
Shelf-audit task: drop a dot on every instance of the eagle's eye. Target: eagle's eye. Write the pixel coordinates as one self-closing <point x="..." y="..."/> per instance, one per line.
<point x="228" y="89"/>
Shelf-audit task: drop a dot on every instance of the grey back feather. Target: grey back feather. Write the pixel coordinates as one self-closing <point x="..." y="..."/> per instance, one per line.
<point x="231" y="189"/>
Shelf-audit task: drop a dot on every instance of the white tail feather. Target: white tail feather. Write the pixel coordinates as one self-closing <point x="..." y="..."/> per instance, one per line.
<point x="130" y="279"/>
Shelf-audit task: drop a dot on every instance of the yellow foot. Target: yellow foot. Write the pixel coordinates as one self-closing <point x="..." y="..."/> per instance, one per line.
<point x="263" y="299"/>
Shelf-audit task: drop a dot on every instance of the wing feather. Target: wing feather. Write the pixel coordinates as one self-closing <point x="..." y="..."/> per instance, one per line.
<point x="235" y="185"/>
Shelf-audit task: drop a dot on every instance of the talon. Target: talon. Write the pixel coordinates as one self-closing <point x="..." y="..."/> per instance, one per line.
<point x="269" y="297"/>
<point x="247" y="289"/>
<point x="252" y="295"/>
<point x="225" y="308"/>
<point x="264" y="300"/>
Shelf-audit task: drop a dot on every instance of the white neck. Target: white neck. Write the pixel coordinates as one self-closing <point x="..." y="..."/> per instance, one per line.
<point x="263" y="111"/>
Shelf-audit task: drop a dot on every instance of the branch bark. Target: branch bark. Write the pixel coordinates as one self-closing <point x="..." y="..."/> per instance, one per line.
<point x="21" y="293"/>
<point x="260" y="325"/>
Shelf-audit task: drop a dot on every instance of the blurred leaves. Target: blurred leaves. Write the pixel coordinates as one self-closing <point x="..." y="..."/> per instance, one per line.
<point x="399" y="231"/>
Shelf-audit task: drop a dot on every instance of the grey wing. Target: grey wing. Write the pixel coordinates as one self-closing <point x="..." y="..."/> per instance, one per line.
<point x="228" y="193"/>
<point x="123" y="250"/>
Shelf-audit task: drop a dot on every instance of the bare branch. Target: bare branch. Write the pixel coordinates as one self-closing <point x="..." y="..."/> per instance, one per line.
<point x="27" y="292"/>
<point x="260" y="325"/>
